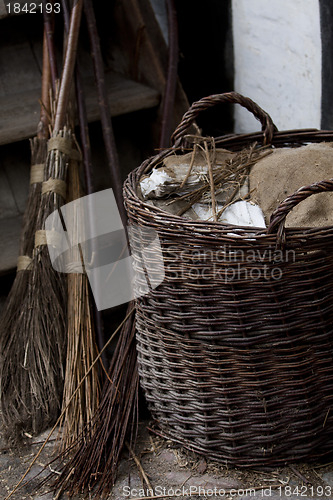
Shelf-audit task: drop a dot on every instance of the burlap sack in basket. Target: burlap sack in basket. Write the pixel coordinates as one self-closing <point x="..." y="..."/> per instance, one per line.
<point x="235" y="346"/>
<point x="282" y="172"/>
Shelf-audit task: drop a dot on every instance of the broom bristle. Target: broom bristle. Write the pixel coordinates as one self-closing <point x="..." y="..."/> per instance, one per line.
<point x="32" y="368"/>
<point x="11" y="346"/>
<point x="93" y="466"/>
<point x="81" y="351"/>
<point x="81" y="347"/>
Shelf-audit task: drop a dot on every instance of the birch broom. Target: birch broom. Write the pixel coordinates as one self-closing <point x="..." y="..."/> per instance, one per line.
<point x="14" y="407"/>
<point x="93" y="466"/>
<point x="43" y="316"/>
<point x="81" y="348"/>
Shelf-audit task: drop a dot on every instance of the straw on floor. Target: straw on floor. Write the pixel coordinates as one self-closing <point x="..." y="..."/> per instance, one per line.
<point x="93" y="467"/>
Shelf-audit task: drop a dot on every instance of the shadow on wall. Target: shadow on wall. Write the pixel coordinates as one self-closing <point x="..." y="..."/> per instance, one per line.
<point x="326" y="21"/>
<point x="206" y="57"/>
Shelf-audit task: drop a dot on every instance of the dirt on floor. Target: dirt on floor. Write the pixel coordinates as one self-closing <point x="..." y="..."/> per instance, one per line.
<point x="165" y="470"/>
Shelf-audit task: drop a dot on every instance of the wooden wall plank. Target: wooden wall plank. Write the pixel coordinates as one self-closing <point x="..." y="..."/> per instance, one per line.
<point x="20" y="112"/>
<point x="19" y="116"/>
<point x="124" y="96"/>
<point x="8" y="207"/>
<point x="16" y="165"/>
<point x="19" y="68"/>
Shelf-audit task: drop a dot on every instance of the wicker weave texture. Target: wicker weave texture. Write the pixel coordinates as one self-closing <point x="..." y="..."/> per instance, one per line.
<point x="235" y="347"/>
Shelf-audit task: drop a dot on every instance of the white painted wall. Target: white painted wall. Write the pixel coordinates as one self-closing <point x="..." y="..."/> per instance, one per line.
<point x="277" y="51"/>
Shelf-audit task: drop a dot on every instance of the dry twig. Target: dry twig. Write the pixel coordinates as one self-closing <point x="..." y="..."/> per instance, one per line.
<point x="138" y="463"/>
<point x="96" y="360"/>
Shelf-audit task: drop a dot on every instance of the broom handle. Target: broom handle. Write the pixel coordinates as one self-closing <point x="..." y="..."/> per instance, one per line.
<point x="69" y="64"/>
<point x="87" y="162"/>
<point x="84" y="132"/>
<point x="48" y="25"/>
<point x="108" y="136"/>
<point x="43" y="126"/>
<point x="82" y="112"/>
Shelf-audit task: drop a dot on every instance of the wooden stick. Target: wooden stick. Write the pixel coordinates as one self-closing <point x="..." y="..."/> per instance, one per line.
<point x="87" y="163"/>
<point x="48" y="23"/>
<point x="105" y="113"/>
<point x="138" y="463"/>
<point x="69" y="64"/>
<point x="88" y="167"/>
<point x="43" y="131"/>
<point x="171" y="82"/>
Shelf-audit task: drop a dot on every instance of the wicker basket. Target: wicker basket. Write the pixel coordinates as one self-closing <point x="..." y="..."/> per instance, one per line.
<point x="239" y="369"/>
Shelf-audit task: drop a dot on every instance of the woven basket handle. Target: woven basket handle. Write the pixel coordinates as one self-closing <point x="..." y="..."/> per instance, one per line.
<point x="197" y="107"/>
<point x="278" y="217"/>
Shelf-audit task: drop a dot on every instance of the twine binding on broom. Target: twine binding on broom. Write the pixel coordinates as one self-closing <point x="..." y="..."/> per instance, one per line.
<point x="56" y="186"/>
<point x="43" y="237"/>
<point x="64" y="145"/>
<point x="36" y="177"/>
<point x="74" y="268"/>
<point x="37" y="173"/>
<point x="23" y="263"/>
